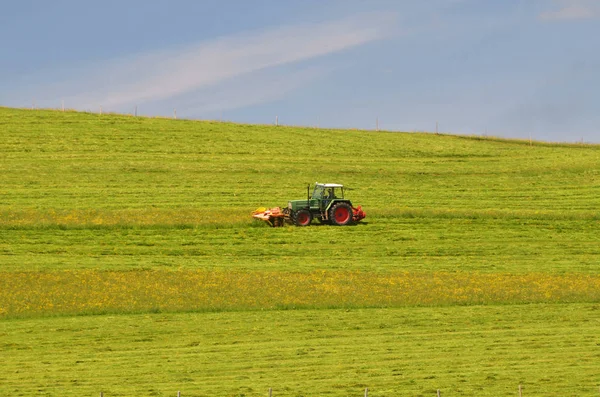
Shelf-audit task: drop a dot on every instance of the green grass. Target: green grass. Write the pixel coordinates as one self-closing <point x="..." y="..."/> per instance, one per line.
<point x="552" y="350"/>
<point x="428" y="243"/>
<point x="110" y="196"/>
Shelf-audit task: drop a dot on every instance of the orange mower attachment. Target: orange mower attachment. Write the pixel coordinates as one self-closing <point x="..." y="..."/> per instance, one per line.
<point x="273" y="216"/>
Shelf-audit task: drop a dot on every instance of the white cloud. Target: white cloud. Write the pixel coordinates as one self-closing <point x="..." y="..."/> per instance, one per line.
<point x="572" y="9"/>
<point x="256" y="88"/>
<point x="160" y="75"/>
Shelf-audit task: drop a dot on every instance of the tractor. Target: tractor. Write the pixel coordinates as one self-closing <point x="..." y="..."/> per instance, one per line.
<point x="327" y="204"/>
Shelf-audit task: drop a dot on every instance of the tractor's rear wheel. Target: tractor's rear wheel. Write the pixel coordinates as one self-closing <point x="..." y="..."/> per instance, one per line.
<point x="302" y="218"/>
<point x="340" y="214"/>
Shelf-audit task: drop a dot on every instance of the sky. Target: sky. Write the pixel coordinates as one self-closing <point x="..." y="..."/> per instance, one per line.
<point x="511" y="68"/>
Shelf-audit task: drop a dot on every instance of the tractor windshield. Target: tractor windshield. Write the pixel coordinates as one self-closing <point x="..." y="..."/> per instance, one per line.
<point x="318" y="192"/>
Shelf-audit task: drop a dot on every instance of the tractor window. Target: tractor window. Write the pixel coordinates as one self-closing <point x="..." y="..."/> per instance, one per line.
<point x="318" y="192"/>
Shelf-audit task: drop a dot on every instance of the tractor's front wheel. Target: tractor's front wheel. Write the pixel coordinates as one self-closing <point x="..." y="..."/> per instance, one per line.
<point x="302" y="218"/>
<point x="340" y="214"/>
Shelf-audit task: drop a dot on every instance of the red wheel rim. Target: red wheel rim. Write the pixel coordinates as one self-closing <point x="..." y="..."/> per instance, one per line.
<point x="303" y="218"/>
<point x="342" y="215"/>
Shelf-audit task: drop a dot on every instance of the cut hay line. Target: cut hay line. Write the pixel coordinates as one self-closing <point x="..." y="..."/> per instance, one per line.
<point x="190" y="218"/>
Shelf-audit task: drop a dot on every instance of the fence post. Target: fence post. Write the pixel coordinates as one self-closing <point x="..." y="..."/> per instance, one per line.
<point x="520" y="391"/>
<point x="276" y="120"/>
<point x="178" y="394"/>
<point x="366" y="392"/>
<point x="270" y="392"/>
<point x="438" y="393"/>
<point x="174" y="113"/>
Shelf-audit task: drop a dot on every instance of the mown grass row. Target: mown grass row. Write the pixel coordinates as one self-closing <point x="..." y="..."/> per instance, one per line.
<point x="383" y="244"/>
<point x="186" y="217"/>
<point x="552" y="350"/>
<point x="92" y="292"/>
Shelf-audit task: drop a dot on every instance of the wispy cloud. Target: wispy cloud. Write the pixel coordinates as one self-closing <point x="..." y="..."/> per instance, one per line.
<point x="247" y="90"/>
<point x="572" y="9"/>
<point x="164" y="74"/>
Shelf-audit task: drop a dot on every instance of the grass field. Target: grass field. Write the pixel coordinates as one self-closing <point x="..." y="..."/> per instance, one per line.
<point x="479" y="250"/>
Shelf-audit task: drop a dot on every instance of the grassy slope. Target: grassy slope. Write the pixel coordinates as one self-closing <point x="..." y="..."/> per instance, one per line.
<point x="83" y="191"/>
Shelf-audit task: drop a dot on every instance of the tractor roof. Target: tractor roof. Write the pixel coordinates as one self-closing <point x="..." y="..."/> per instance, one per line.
<point x="328" y="184"/>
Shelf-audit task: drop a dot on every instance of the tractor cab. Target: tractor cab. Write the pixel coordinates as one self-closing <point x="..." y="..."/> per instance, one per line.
<point x="328" y="191"/>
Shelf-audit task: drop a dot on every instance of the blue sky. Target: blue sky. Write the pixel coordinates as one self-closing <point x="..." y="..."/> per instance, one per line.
<point x="511" y="68"/>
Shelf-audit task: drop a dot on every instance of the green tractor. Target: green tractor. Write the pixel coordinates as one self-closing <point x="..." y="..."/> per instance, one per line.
<point x="327" y="204"/>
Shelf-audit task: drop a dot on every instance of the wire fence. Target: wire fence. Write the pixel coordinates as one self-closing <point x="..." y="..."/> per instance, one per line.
<point x="376" y="126"/>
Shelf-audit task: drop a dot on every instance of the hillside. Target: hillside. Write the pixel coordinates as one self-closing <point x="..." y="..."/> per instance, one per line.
<point x="113" y="219"/>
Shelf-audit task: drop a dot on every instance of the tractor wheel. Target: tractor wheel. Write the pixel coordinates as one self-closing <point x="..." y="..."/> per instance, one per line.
<point x="340" y="214"/>
<point x="302" y="218"/>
